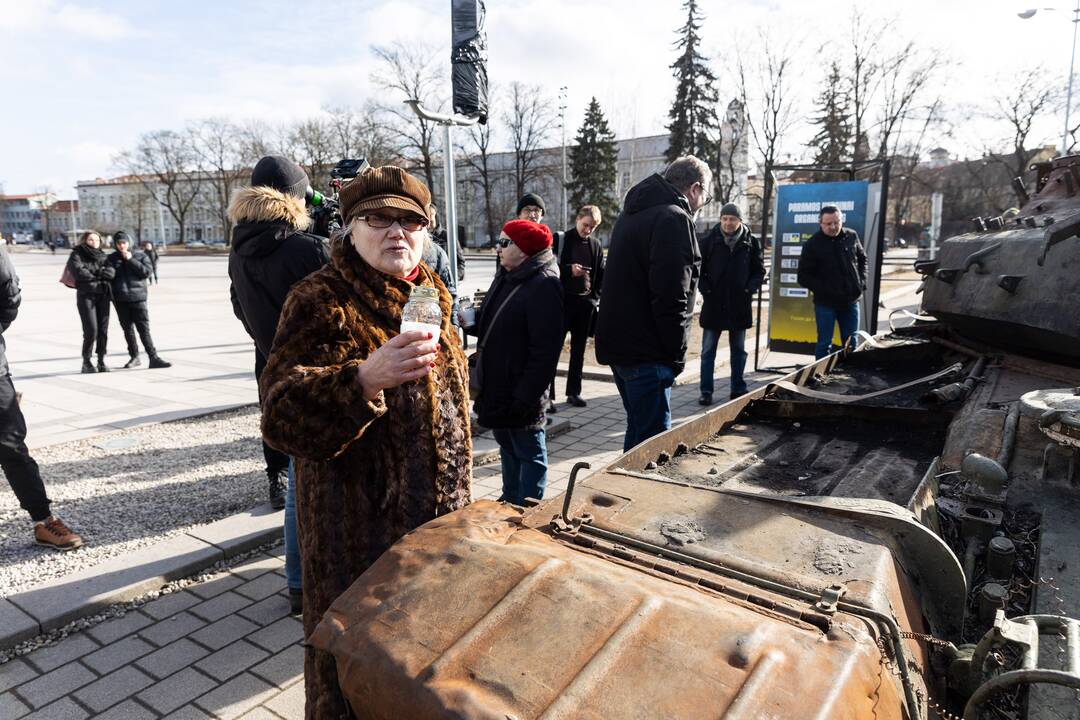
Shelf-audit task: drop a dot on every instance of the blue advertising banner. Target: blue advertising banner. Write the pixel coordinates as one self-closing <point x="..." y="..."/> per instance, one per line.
<point x="791" y="312"/>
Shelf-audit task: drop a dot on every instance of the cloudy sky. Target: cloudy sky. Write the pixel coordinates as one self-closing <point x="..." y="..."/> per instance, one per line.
<point x="80" y="80"/>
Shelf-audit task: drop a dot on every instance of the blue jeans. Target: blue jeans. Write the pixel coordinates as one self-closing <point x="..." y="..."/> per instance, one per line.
<point x="646" y="396"/>
<point x="827" y="317"/>
<point x="737" y="344"/>
<point x="524" y="464"/>
<point x="292" y="543"/>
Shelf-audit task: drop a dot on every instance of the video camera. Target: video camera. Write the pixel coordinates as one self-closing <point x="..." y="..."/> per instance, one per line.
<point x="326" y="209"/>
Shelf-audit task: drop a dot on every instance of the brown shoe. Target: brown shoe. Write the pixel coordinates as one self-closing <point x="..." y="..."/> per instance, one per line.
<point x="55" y="534"/>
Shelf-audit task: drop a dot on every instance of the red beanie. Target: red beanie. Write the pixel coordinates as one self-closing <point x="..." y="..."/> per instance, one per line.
<point x="530" y="237"/>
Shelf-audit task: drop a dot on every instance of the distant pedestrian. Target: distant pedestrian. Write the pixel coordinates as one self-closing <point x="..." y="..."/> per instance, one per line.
<point x="581" y="267"/>
<point x="93" y="290"/>
<point x="152" y="253"/>
<point x="270" y="253"/>
<point x="531" y="207"/>
<point x="441" y="238"/>
<point x="21" y="471"/>
<point x="521" y="332"/>
<point x="732" y="270"/>
<point x="648" y="299"/>
<point x="833" y="267"/>
<point x="132" y="268"/>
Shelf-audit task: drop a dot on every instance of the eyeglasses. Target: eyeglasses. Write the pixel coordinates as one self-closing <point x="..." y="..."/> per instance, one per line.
<point x="503" y="243"/>
<point x="708" y="195"/>
<point x="409" y="223"/>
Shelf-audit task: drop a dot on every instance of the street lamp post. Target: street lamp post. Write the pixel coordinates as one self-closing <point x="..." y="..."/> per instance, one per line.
<point x="1027" y="14"/>
<point x="562" y="123"/>
<point x="447" y="121"/>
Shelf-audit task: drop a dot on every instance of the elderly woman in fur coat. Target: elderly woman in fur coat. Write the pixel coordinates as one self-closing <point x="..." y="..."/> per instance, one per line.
<point x="377" y="420"/>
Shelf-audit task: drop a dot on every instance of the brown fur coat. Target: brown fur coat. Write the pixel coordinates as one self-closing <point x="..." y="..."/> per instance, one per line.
<point x="366" y="472"/>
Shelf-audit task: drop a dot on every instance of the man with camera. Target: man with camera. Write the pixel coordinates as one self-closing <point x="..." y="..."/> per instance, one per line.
<point x="270" y="252"/>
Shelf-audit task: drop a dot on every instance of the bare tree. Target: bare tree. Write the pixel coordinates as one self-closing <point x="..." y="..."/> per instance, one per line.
<point x="167" y="166"/>
<point x="766" y="90"/>
<point x="907" y="76"/>
<point x="218" y="144"/>
<point x="731" y="152"/>
<point x="529" y="121"/>
<point x="359" y="134"/>
<point x="411" y="72"/>
<point x="133" y="207"/>
<point x="476" y="155"/>
<point x="313" y="144"/>
<point x="1032" y="95"/>
<point x="866" y="40"/>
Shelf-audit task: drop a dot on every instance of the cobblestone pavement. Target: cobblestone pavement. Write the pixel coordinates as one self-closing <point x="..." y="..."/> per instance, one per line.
<point x="226" y="647"/>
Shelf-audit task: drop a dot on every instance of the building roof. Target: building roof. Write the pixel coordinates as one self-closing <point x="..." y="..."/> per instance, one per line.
<point x="65" y="206"/>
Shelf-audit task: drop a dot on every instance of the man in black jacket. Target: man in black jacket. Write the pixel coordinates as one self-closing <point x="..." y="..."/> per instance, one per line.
<point x="132" y="268"/>
<point x="732" y="269"/>
<point x="648" y="298"/>
<point x="581" y="267"/>
<point x="270" y="253"/>
<point x="520" y="326"/>
<point x="19" y="468"/>
<point x="833" y="267"/>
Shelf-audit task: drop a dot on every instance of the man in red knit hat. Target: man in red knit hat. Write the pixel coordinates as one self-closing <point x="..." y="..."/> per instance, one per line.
<point x="521" y="333"/>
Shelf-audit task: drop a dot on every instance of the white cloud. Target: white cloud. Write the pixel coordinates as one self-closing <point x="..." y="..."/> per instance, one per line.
<point x="48" y="15"/>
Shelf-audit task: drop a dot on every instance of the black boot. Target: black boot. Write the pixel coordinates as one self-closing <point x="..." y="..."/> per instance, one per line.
<point x="87" y="366"/>
<point x="133" y="362"/>
<point x="101" y="366"/>
<point x="156" y="362"/>
<point x="277" y="484"/>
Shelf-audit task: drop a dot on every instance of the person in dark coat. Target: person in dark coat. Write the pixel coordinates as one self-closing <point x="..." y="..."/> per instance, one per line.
<point x="732" y="270"/>
<point x="19" y="467"/>
<point x="521" y="328"/>
<point x="93" y="289"/>
<point x="270" y="253"/>
<point x="376" y="419"/>
<point x="581" y="268"/>
<point x="152" y="253"/>
<point x="131" y="269"/>
<point x="833" y="267"/>
<point x="647" y="302"/>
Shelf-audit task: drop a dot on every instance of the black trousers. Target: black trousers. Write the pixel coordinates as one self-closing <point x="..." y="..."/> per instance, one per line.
<point x="20" y="469"/>
<point x="276" y="461"/>
<point x="94" y="313"/>
<point x="577" y="317"/>
<point x="135" y="316"/>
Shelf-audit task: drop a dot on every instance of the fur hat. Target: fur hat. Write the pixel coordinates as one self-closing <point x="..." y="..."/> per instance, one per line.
<point x="384" y="187"/>
<point x="531" y="199"/>
<point x="280" y="173"/>
<point x="529" y="236"/>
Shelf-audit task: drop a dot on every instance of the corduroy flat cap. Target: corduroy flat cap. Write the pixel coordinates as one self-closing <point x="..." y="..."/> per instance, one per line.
<point x="384" y="187"/>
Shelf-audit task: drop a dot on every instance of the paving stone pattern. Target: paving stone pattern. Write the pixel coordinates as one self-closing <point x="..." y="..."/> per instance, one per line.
<point x="226" y="647"/>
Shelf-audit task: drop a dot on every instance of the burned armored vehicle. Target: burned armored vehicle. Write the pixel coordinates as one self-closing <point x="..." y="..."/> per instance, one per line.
<point x="892" y="532"/>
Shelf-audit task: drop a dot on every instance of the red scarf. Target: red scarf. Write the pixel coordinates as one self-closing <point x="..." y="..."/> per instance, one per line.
<point x="413" y="275"/>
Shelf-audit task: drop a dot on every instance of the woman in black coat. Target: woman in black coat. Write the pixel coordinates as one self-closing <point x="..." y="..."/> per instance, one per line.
<point x="732" y="270"/>
<point x="93" y="278"/>
<point x="521" y="330"/>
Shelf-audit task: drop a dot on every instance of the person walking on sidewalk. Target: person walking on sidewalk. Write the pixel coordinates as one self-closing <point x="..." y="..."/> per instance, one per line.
<point x="152" y="253"/>
<point x="648" y="299"/>
<point x="270" y="253"/>
<point x="131" y="269"/>
<point x="93" y="289"/>
<point x="732" y="269"/>
<point x="833" y="267"/>
<point x="581" y="267"/>
<point x="21" y="471"/>
<point x="521" y="332"/>
<point x="376" y="419"/>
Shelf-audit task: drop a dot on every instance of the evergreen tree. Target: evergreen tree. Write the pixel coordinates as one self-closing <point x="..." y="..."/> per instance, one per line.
<point x="594" y="165"/>
<point x="694" y="124"/>
<point x="832" y="143"/>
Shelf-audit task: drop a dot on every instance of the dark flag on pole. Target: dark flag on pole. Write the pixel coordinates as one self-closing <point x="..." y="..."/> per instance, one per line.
<point x="469" y="59"/>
